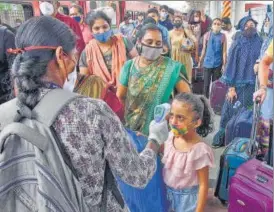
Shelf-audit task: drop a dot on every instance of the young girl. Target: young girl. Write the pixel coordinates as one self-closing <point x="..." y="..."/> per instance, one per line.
<point x="186" y="157"/>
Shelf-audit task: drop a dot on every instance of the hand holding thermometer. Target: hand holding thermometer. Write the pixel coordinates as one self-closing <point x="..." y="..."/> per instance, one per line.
<point x="161" y="111"/>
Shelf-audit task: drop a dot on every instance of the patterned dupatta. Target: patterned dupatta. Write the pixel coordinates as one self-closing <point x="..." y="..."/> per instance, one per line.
<point x="147" y="88"/>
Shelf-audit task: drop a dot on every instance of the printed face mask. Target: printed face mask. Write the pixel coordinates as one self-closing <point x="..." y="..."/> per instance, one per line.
<point x="103" y="37"/>
<point x="46" y="8"/>
<point x="178" y="131"/>
<point x="151" y="53"/>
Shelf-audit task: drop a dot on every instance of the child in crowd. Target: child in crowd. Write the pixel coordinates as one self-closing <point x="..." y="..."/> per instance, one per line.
<point x="186" y="157"/>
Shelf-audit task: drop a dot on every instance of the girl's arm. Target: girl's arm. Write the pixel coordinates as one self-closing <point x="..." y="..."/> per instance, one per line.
<point x="203" y="175"/>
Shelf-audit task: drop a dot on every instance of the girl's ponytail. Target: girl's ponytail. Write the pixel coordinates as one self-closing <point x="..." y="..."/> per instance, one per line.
<point x="207" y="125"/>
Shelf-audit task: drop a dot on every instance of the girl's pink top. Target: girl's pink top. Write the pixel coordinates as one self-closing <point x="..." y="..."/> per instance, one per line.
<point x="180" y="168"/>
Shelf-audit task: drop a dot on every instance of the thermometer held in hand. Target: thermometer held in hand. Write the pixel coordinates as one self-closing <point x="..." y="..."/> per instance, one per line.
<point x="161" y="111"/>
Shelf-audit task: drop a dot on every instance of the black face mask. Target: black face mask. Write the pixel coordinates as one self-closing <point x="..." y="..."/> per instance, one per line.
<point x="250" y="32"/>
<point x="178" y="25"/>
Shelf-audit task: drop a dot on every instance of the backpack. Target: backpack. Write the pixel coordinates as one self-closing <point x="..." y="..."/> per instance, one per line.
<point x="35" y="172"/>
<point x="2" y="48"/>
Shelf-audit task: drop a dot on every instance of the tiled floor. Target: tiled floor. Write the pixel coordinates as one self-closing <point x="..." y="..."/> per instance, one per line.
<point x="213" y="204"/>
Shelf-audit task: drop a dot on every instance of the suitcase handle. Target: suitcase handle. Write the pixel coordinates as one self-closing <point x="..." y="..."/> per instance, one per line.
<point x="254" y="146"/>
<point x="265" y="169"/>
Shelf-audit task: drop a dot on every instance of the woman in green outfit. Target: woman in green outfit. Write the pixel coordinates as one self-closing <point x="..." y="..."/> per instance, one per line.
<point x="149" y="80"/>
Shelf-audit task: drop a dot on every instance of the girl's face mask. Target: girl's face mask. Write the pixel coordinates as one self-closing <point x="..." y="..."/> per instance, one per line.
<point x="178" y="130"/>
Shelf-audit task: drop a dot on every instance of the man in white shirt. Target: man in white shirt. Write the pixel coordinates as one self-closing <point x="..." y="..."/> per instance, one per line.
<point x="228" y="30"/>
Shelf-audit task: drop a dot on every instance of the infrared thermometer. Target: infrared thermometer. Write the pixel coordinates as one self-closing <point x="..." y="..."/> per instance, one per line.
<point x="161" y="111"/>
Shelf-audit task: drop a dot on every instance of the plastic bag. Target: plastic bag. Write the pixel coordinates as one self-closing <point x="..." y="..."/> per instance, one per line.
<point x="153" y="196"/>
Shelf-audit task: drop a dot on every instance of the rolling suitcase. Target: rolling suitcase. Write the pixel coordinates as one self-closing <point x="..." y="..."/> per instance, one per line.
<point x="233" y="156"/>
<point x="239" y="151"/>
<point x="251" y="187"/>
<point x="197" y="80"/>
<point x="217" y="96"/>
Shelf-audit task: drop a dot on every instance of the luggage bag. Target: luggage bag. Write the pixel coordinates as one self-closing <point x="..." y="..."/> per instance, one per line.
<point x="239" y="151"/>
<point x="251" y="187"/>
<point x="197" y="80"/>
<point x="217" y="96"/>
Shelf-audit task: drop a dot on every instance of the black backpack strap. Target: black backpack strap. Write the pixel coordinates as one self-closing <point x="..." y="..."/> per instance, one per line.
<point x="110" y="185"/>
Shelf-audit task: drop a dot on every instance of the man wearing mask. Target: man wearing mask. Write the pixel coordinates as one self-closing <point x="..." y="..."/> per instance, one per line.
<point x="228" y="30"/>
<point x="76" y="12"/>
<point x="153" y="13"/>
<point x="50" y="8"/>
<point x="127" y="26"/>
<point x="164" y="20"/>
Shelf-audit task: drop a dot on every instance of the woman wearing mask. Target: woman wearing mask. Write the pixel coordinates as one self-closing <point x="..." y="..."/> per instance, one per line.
<point x="149" y="80"/>
<point x="179" y="37"/>
<point x="42" y="65"/>
<point x="105" y="55"/>
<point x="213" y="56"/>
<point x="239" y="74"/>
<point x="195" y="26"/>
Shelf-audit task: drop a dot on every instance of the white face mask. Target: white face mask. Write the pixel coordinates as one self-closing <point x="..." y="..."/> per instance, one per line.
<point x="46" y="8"/>
<point x="266" y="29"/>
<point x="70" y="83"/>
<point x="163" y="15"/>
<point x="196" y="19"/>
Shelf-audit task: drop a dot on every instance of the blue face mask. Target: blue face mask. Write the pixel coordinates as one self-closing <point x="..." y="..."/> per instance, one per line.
<point x="77" y="18"/>
<point x="103" y="37"/>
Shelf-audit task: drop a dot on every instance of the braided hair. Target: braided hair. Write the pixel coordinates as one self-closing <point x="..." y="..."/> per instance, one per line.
<point x="30" y="66"/>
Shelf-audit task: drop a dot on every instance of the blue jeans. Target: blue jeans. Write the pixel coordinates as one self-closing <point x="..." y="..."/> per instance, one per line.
<point x="184" y="200"/>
